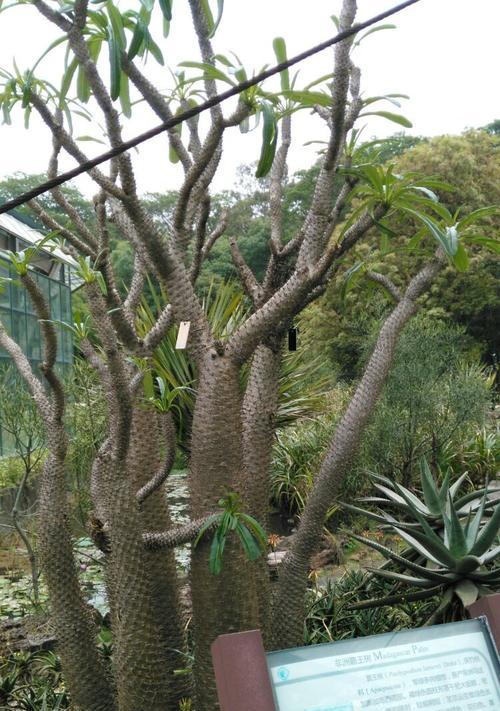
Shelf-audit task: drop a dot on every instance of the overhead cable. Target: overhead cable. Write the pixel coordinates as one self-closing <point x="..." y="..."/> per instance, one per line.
<point x="197" y="110"/>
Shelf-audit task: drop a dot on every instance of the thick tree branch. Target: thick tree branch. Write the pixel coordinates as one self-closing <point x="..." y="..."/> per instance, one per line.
<point x="206" y="51"/>
<point x="58" y="195"/>
<point x="25" y="370"/>
<point x="75" y="246"/>
<point x="387" y="283"/>
<point x="161" y="108"/>
<point x="159" y="478"/>
<point x="247" y="277"/>
<point x="289" y="599"/>
<point x="55" y="17"/>
<point x="117" y="390"/>
<point x="49" y="341"/>
<point x="72" y="148"/>
<point x="316" y="225"/>
<point x="176" y="536"/>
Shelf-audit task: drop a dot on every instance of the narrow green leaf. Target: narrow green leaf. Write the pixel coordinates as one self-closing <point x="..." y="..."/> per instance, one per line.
<point x="207" y="11"/>
<point x="350" y="276"/>
<point x="115" y="67"/>
<point x="89" y="138"/>
<point x="166" y="8"/>
<point x="148" y="385"/>
<point x="435" y="231"/>
<point x="279" y="47"/>
<point x="220" y="10"/>
<point x="101" y="283"/>
<point x="395" y="118"/>
<point x="255" y="528"/>
<point x="216" y="553"/>
<point x="335" y="21"/>
<point x="378" y="28"/>
<point x="417" y="546"/>
<point x="454" y="488"/>
<point x="116" y="23"/>
<point x="154" y="49"/>
<point x="429" y="537"/>
<point x="27" y="116"/>
<point x="125" y="96"/>
<point x="67" y="79"/>
<point x="489" y="242"/>
<point x="461" y="259"/>
<point x="137" y="39"/>
<point x="269" y="141"/>
<point x="476" y="215"/>
<point x="209" y="71"/>
<point x="308" y="98"/>
<point x="404" y="495"/>
<point x="443" y="492"/>
<point x="211" y="520"/>
<point x="252" y="550"/>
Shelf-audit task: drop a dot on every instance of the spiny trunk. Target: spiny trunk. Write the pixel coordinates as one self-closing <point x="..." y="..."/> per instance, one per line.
<point x="149" y="432"/>
<point x="258" y="414"/>
<point x="144" y="596"/>
<point x="288" y="604"/>
<point x="227" y="602"/>
<point x="84" y="673"/>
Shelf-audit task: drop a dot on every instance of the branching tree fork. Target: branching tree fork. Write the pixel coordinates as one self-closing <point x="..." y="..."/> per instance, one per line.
<point x="232" y="431"/>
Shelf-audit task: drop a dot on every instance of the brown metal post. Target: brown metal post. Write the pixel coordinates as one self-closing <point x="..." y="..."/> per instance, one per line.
<point x="241" y="672"/>
<point x="490" y="607"/>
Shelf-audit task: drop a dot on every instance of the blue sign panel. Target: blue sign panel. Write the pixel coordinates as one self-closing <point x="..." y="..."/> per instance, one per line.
<point x="452" y="667"/>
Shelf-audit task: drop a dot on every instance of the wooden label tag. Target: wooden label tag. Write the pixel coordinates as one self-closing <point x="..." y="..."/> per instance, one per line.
<point x="182" y="335"/>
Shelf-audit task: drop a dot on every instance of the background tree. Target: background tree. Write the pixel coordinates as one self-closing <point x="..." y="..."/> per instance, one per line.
<point x="232" y="428"/>
<point x="433" y="397"/>
<point x="22" y="427"/>
<point x="339" y="321"/>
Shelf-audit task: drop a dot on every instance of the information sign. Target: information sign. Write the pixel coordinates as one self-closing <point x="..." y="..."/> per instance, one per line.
<point x="450" y="667"/>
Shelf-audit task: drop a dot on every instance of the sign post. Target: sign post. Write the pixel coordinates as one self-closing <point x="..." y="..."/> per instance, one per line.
<point x="452" y="667"/>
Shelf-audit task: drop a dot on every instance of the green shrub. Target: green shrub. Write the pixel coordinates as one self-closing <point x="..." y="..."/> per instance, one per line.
<point x="433" y="400"/>
<point x="32" y="682"/>
<point x="86" y="423"/>
<point x="331" y="617"/>
<point x="479" y="455"/>
<point x="11" y="471"/>
<point x="298" y="452"/>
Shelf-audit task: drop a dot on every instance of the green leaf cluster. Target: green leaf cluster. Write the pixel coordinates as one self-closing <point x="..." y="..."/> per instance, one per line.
<point x="231" y="519"/>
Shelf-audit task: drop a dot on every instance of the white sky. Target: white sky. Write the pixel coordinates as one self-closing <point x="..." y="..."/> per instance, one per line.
<point x="444" y="54"/>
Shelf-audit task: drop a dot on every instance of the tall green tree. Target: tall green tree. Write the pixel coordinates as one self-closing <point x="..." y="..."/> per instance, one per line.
<point x="232" y="428"/>
<point x="468" y="164"/>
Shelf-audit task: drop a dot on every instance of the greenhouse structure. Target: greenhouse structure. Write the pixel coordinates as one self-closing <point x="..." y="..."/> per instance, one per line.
<point x="53" y="272"/>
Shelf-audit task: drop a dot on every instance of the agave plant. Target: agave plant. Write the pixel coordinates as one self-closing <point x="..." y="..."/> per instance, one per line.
<point x="433" y="502"/>
<point x="452" y="544"/>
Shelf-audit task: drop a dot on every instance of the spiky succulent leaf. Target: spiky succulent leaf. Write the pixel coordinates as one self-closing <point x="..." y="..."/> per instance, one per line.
<point x="472" y="528"/>
<point x="488" y="534"/>
<point x="429" y="489"/>
<point x="455" y="533"/>
<point x="401" y="578"/>
<point x="457" y="484"/>
<point x="467" y="592"/>
<point x="435" y="575"/>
